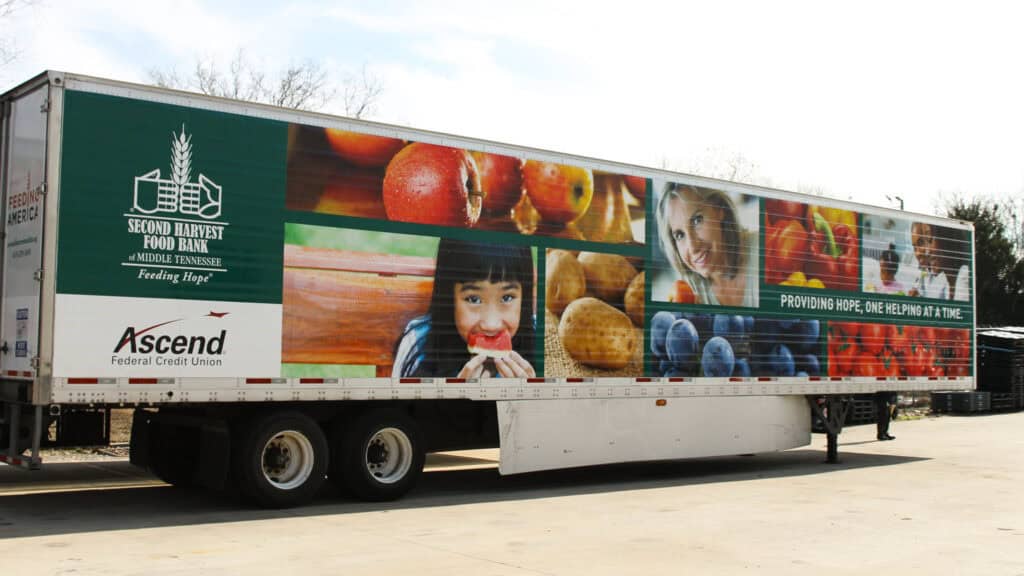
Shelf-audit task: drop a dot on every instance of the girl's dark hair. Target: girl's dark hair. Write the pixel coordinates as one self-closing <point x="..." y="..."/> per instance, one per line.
<point x="443" y="351"/>
<point x="889" y="260"/>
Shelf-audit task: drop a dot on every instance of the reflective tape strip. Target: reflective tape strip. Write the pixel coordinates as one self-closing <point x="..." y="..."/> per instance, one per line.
<point x="18" y="461"/>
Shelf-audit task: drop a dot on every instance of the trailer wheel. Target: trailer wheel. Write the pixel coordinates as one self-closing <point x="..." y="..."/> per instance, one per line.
<point x="382" y="455"/>
<point x="172" y="458"/>
<point x="281" y="459"/>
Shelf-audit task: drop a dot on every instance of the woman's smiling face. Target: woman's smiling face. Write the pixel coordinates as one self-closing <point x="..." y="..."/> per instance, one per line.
<point x="487" y="307"/>
<point x="697" y="232"/>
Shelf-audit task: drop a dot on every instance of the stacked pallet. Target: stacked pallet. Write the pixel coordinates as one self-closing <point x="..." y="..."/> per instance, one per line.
<point x="961" y="402"/>
<point x="1017" y="385"/>
<point x="1001" y="366"/>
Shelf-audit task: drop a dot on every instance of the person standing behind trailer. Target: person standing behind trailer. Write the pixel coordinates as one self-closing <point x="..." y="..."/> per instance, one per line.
<point x="705" y="243"/>
<point x="883" y="413"/>
<point x="478" y="287"/>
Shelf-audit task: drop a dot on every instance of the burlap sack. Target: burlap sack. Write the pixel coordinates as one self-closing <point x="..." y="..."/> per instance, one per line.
<point x="558" y="363"/>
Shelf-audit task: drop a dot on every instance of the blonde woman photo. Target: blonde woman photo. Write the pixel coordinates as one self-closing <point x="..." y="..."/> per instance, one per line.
<point x="710" y="244"/>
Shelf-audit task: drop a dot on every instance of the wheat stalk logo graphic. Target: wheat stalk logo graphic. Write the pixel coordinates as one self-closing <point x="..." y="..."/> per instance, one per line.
<point x="177" y="194"/>
<point x="181" y="157"/>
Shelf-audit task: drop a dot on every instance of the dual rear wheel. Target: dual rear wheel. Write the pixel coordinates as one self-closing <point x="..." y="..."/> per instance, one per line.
<point x="282" y="459"/>
<point x="378" y="456"/>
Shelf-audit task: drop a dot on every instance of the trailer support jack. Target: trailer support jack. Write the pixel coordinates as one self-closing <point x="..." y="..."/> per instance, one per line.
<point x="12" y="453"/>
<point x="831" y="410"/>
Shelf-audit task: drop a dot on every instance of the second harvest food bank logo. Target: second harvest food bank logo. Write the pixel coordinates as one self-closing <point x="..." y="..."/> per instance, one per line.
<point x="176" y="221"/>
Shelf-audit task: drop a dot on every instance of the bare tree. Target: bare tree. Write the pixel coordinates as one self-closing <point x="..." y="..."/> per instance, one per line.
<point x="360" y="93"/>
<point x="735" y="166"/>
<point x="304" y="86"/>
<point x="1016" y="225"/>
<point x="722" y="164"/>
<point x="813" y="190"/>
<point x="8" y="51"/>
<point x="999" y="278"/>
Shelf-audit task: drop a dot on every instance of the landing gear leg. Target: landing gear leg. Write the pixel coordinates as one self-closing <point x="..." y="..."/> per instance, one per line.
<point x="831" y="410"/>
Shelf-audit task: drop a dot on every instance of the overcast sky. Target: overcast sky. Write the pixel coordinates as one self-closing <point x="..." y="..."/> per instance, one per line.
<point x="861" y="99"/>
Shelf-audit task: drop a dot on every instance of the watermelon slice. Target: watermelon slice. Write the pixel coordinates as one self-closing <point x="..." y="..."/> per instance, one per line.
<point x="496" y="346"/>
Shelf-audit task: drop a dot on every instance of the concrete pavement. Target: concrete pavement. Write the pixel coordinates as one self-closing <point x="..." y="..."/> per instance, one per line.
<point x="947" y="497"/>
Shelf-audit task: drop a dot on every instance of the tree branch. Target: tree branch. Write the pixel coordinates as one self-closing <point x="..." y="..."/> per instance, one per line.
<point x="304" y="85"/>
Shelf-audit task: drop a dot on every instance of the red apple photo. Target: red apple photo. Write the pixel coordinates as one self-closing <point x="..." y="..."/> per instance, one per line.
<point x="637" y="186"/>
<point x="560" y="193"/>
<point x="352" y="191"/>
<point x="501" y="181"/>
<point x="365" y="150"/>
<point x="430" y="184"/>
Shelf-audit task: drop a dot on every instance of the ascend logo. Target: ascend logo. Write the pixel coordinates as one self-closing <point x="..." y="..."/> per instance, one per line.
<point x="148" y="341"/>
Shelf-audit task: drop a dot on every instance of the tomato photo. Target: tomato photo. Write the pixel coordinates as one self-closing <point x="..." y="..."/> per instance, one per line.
<point x="872" y="337"/>
<point x="872" y="349"/>
<point x="866" y="364"/>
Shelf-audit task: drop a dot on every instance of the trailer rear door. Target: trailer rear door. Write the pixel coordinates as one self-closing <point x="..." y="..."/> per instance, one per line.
<point x="24" y="187"/>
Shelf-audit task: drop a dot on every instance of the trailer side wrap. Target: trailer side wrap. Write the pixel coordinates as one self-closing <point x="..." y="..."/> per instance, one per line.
<point x="205" y="255"/>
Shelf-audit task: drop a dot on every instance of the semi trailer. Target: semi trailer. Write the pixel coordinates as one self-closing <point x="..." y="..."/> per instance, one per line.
<point x="286" y="298"/>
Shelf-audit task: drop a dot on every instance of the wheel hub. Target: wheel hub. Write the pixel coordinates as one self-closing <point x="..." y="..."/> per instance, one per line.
<point x="389" y="455"/>
<point x="377" y="454"/>
<point x="276" y="458"/>
<point x="287" y="459"/>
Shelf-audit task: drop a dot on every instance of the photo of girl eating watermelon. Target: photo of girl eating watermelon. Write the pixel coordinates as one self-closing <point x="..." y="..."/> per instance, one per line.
<point x="480" y="323"/>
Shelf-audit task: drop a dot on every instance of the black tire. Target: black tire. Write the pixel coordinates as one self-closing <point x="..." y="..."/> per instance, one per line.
<point x="381" y="455"/>
<point x="280" y="459"/>
<point x="5" y="434"/>
<point x="173" y="453"/>
<point x="337" y="437"/>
